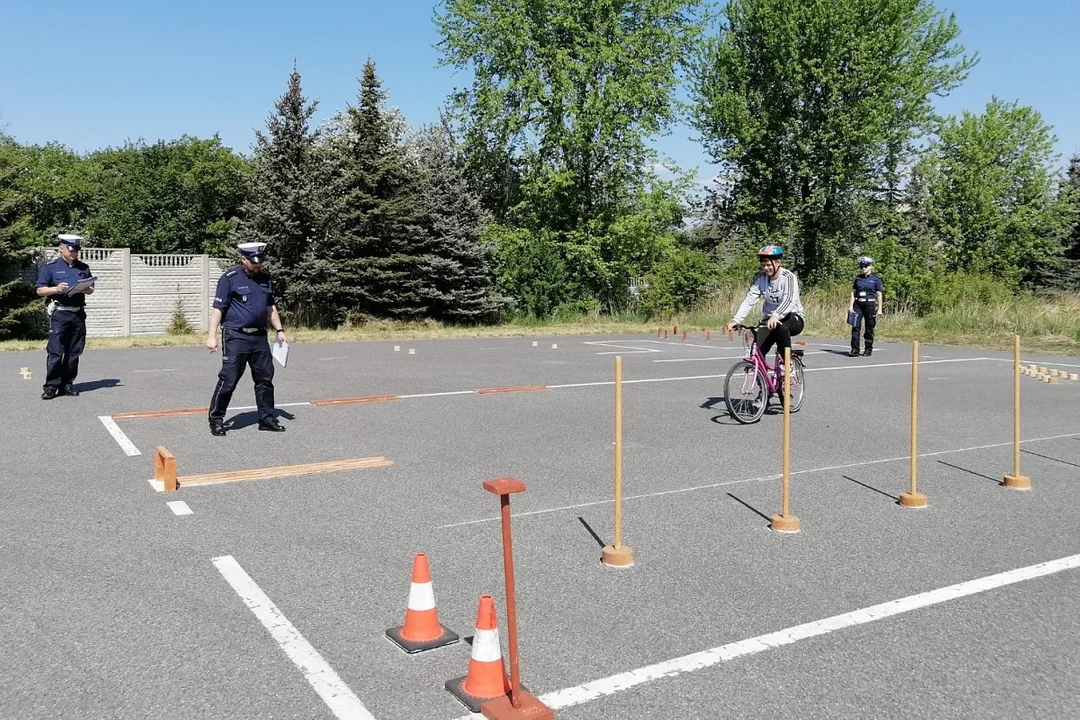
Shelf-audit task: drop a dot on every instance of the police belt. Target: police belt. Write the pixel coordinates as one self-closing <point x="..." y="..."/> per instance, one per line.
<point x="72" y="308"/>
<point x="247" y="330"/>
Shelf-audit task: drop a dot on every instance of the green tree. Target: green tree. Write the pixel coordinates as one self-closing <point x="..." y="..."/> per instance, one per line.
<point x="20" y="315"/>
<point x="282" y="206"/>
<point x="812" y="105"/>
<point x="181" y="196"/>
<point x="992" y="199"/>
<point x="366" y="263"/>
<point x="564" y="99"/>
<point x="1072" y="189"/>
<point x="458" y="263"/>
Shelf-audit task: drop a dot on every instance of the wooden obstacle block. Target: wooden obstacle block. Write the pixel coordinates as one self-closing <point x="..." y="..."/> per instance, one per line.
<point x="1074" y="376"/>
<point x="165" y="468"/>
<point x="1052" y="380"/>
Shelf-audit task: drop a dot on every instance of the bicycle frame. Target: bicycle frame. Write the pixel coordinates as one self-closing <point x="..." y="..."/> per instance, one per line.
<point x="771" y="374"/>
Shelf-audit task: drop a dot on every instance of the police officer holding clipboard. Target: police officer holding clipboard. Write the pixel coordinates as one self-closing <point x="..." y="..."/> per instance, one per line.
<point x="866" y="299"/>
<point x="65" y="282"/>
<point x="243" y="304"/>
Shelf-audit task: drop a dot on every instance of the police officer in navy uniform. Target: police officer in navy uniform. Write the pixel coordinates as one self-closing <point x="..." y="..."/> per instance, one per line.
<point x="866" y="299"/>
<point x="243" y="304"/>
<point x="67" y="316"/>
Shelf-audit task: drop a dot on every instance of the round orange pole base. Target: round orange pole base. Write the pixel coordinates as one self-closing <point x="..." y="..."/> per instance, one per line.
<point x="1017" y="482"/>
<point x="913" y="500"/>
<point x="621" y="556"/>
<point x="785" y="523"/>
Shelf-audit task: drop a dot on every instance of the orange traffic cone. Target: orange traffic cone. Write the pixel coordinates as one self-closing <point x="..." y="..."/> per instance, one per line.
<point x="487" y="677"/>
<point x="422" y="630"/>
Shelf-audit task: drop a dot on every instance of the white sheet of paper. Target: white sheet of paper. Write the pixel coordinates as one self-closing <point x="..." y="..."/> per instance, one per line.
<point x="280" y="351"/>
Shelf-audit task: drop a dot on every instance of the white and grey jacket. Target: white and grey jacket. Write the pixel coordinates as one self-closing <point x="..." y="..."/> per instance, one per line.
<point x="781" y="296"/>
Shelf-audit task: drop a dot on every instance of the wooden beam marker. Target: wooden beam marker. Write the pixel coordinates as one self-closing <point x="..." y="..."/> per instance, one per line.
<point x="914" y="498"/>
<point x="618" y="555"/>
<point x="165" y="468"/>
<point x="1016" y="481"/>
<point x="785" y="521"/>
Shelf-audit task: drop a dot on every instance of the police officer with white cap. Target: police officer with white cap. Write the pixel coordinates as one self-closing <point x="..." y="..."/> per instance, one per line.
<point x="243" y="304"/>
<point x="866" y="300"/>
<point x="67" y="316"/>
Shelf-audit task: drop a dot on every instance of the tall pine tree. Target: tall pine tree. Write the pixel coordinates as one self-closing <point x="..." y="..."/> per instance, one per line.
<point x="20" y="315"/>
<point x="368" y="263"/>
<point x="458" y="266"/>
<point x="283" y="205"/>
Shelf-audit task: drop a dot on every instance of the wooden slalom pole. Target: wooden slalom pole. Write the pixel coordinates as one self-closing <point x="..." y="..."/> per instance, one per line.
<point x="618" y="555"/>
<point x="914" y="498"/>
<point x="1016" y="481"/>
<point x="785" y="521"/>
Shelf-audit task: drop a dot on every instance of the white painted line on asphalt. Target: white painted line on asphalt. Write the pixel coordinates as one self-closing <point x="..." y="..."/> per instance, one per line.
<point x="679" y="343"/>
<point x="1047" y="363"/>
<point x="707" y="658"/>
<point x="622" y="348"/>
<point x="439" y="394"/>
<point x="714" y="377"/>
<point x="179" y="507"/>
<point x="896" y="364"/>
<point x="150" y="371"/>
<point x="340" y="357"/>
<point x="763" y="478"/>
<point x="335" y="693"/>
<point x="158" y="485"/>
<point x="118" y="435"/>
<point x="726" y="357"/>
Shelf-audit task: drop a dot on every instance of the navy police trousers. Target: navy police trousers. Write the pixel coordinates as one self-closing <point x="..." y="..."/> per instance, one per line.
<point x="238" y="350"/>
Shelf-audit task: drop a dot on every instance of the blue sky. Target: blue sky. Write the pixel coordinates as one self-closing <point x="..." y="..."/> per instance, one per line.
<point x="91" y="75"/>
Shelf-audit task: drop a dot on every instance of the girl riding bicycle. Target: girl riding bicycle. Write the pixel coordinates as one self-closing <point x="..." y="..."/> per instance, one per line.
<point x="782" y="311"/>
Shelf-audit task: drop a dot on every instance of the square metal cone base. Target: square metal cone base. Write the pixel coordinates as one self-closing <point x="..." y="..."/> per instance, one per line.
<point x="448" y="637"/>
<point x="454" y="687"/>
<point x="531" y="708"/>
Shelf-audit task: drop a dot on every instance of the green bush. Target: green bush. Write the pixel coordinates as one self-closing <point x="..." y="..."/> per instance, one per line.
<point x="676" y="283"/>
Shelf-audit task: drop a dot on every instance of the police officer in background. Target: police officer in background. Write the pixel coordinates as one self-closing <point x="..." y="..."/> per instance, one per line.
<point x="243" y="304"/>
<point x="67" y="316"/>
<point x="866" y="299"/>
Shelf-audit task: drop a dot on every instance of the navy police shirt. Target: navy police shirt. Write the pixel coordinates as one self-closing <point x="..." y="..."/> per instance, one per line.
<point x="58" y="271"/>
<point x="244" y="300"/>
<point x="866" y="287"/>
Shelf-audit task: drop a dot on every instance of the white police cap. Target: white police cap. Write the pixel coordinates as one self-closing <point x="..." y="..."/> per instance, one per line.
<point x="253" y="251"/>
<point x="70" y="240"/>
<point x="864" y="261"/>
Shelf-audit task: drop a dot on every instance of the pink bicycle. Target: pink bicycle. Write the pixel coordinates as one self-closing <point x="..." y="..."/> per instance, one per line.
<point x="751" y="382"/>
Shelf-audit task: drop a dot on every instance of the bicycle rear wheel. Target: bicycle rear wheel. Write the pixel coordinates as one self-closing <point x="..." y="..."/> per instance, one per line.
<point x="745" y="393"/>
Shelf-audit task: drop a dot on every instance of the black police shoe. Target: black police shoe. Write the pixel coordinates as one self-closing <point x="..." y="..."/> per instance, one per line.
<point x="867" y="352"/>
<point x="70" y="390"/>
<point x="48" y="394"/>
<point x="217" y="428"/>
<point x="853" y="353"/>
<point x="271" y="425"/>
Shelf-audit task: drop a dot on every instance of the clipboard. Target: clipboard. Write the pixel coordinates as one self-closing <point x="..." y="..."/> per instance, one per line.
<point x="853" y="318"/>
<point x="81" y="285"/>
<point x="280" y="351"/>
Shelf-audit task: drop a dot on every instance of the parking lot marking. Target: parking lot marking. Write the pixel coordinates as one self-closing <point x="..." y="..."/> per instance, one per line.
<point x="763" y="478"/>
<point x="708" y="658"/>
<point x="695" y="359"/>
<point x="179" y="507"/>
<point x="334" y="692"/>
<point x="125" y="443"/>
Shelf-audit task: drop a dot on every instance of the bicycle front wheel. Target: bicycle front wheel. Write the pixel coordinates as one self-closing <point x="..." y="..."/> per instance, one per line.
<point x="798" y="385"/>
<point x="745" y="393"/>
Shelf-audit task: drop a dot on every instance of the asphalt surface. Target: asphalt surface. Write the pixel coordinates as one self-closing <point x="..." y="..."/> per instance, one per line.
<point x="111" y="605"/>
